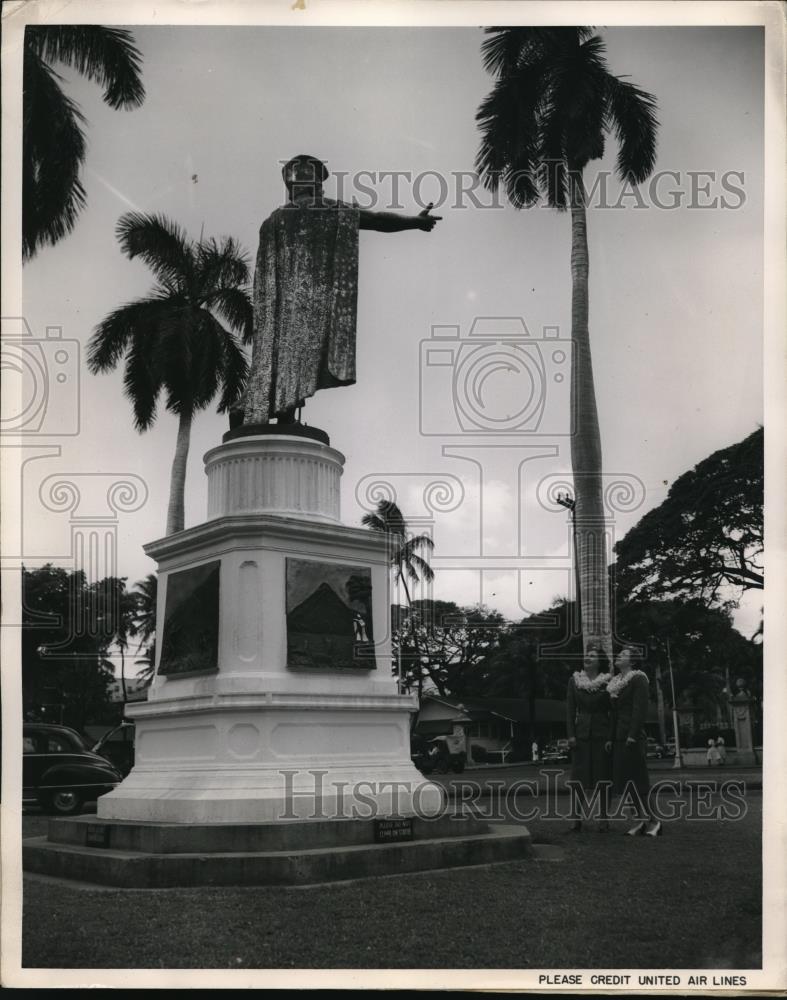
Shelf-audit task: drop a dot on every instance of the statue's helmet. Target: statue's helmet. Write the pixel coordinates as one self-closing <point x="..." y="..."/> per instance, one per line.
<point x="304" y="168"/>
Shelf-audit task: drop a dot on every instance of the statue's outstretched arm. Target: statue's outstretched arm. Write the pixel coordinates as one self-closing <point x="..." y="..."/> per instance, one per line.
<point x="390" y="222"/>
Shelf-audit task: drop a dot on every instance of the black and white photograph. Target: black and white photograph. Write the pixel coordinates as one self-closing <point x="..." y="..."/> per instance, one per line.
<point x="392" y="451"/>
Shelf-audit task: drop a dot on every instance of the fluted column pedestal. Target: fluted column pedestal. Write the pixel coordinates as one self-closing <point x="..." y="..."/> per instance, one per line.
<point x="284" y="475"/>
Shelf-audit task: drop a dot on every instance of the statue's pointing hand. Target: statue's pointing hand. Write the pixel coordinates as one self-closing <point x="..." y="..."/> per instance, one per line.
<point x="426" y="221"/>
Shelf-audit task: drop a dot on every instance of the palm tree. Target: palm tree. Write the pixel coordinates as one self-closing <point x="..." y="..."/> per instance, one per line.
<point x="144" y="624"/>
<point x="124" y="629"/>
<point x="173" y="341"/>
<point x="407" y="563"/>
<point x="53" y="142"/>
<point x="552" y="105"/>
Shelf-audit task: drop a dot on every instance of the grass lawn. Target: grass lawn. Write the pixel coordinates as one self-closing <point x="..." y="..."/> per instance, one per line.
<point x="689" y="899"/>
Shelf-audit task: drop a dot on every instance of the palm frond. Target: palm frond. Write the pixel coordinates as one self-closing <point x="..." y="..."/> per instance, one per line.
<point x="220" y="264"/>
<point x="632" y="115"/>
<point x="160" y="243"/>
<point x="373" y="521"/>
<point x="115" y="334"/>
<point x="576" y="106"/>
<point x="234" y="371"/>
<point x="505" y="49"/>
<point x="502" y="49"/>
<point x="141" y="384"/>
<point x="176" y="355"/>
<point x="234" y="306"/>
<point x="415" y="542"/>
<point x="53" y="149"/>
<point x="416" y="565"/>
<point x="392" y="518"/>
<point x="206" y="371"/>
<point x="549" y="111"/>
<point x="508" y="122"/>
<point x="107" y="56"/>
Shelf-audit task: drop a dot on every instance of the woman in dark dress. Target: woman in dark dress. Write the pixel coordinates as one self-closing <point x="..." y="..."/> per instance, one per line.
<point x="589" y="734"/>
<point x="629" y="694"/>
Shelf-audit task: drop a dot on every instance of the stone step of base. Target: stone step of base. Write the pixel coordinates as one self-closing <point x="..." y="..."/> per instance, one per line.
<point x="140" y="870"/>
<point x="243" y="838"/>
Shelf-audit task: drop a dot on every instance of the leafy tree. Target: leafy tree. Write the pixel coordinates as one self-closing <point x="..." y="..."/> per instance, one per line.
<point x="532" y="659"/>
<point x="174" y="341"/>
<point x="706" y="651"/>
<point x="53" y="141"/>
<point x="66" y="637"/>
<point x="446" y="643"/>
<point x="552" y="106"/>
<point x="706" y="538"/>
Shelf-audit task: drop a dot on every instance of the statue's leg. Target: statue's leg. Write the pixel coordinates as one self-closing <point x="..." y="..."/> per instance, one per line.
<point x="290" y="415"/>
<point x="286" y="416"/>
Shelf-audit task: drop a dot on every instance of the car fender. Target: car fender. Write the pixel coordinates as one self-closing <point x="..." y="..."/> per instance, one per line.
<point x="78" y="776"/>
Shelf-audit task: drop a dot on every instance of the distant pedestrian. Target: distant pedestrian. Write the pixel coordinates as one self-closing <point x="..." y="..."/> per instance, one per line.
<point x="456" y="746"/>
<point x="722" y="750"/>
<point x="713" y="756"/>
<point x="534" y="751"/>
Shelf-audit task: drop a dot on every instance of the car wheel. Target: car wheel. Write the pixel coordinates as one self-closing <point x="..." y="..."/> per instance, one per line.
<point x="65" y="802"/>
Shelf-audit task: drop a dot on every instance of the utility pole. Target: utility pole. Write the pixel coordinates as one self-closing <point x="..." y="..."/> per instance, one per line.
<point x="678" y="762"/>
<point x="655" y="644"/>
<point x="660" y="704"/>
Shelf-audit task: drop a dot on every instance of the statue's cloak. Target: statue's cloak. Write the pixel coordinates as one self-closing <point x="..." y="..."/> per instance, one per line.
<point x="305" y="304"/>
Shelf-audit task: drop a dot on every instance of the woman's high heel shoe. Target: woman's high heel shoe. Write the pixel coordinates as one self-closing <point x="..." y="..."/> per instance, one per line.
<point x="654" y="829"/>
<point x="638" y="830"/>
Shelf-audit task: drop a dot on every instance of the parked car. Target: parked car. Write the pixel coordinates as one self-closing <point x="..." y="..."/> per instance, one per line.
<point x="59" y="770"/>
<point x="441" y="758"/>
<point x="557" y="751"/>
<point x="654" y="750"/>
<point x="419" y="755"/>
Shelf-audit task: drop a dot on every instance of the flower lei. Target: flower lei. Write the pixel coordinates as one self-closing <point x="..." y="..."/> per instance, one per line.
<point x="619" y="681"/>
<point x="584" y="683"/>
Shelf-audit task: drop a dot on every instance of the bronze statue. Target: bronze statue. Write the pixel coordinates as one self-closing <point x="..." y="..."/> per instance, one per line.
<point x="305" y="293"/>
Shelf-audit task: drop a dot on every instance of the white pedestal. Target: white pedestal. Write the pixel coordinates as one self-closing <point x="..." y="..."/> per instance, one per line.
<point x="255" y="740"/>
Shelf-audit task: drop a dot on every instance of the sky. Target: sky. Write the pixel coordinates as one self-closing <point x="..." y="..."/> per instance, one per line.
<point x="676" y="303"/>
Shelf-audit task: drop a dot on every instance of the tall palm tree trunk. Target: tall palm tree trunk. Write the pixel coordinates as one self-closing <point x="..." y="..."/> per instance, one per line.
<point x="586" y="461"/>
<point x="177" y="484"/>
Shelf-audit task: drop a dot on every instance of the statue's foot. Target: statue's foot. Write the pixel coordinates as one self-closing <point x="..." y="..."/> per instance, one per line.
<point x="288" y="416"/>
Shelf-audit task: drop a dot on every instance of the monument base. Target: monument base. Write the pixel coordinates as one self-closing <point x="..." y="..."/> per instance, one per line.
<point x="157" y="856"/>
<point x="273" y="698"/>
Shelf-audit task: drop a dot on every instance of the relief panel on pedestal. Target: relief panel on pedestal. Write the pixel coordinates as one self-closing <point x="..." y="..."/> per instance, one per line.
<point x="190" y="636"/>
<point x="329" y="616"/>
